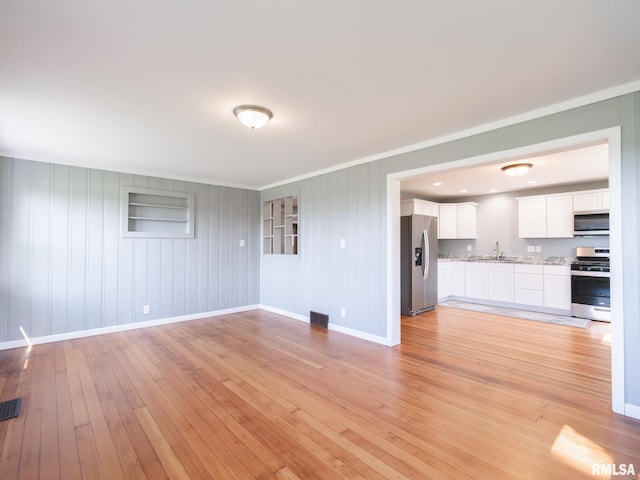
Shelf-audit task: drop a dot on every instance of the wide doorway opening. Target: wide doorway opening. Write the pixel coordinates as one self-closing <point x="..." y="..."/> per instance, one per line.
<point x="610" y="139"/>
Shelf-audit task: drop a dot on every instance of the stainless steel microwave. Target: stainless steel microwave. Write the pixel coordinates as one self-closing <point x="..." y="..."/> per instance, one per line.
<point x="593" y="222"/>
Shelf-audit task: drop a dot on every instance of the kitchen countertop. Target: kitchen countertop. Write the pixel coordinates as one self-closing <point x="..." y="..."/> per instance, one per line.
<point x="529" y="260"/>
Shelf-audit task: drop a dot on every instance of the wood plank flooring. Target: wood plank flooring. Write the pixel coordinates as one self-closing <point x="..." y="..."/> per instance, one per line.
<point x="251" y="395"/>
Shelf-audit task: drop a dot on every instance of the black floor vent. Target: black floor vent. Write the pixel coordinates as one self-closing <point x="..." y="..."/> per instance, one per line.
<point x="319" y="319"/>
<point x="10" y="408"/>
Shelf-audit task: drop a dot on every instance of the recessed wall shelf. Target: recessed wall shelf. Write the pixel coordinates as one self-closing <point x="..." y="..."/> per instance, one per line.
<point x="157" y="213"/>
<point x="280" y="226"/>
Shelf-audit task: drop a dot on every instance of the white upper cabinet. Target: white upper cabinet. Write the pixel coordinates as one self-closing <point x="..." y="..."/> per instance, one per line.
<point x="466" y="220"/>
<point x="419" y="207"/>
<point x="457" y="220"/>
<point x="559" y="216"/>
<point x="532" y="217"/>
<point x="591" y="200"/>
<point x="545" y="216"/>
<point x="447" y="222"/>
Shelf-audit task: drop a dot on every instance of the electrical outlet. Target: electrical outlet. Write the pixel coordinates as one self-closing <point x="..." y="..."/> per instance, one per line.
<point x="242" y="243"/>
<point x="468" y="248"/>
<point x="531" y="248"/>
<point x="343" y="312"/>
<point x="146" y="309"/>
<point x="342" y="243"/>
<point x="538" y="248"/>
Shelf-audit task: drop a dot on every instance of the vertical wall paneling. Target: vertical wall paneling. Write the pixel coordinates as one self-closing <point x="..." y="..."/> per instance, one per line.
<point x="60" y="236"/>
<point x="225" y="223"/>
<point x="234" y="246"/>
<point x="358" y="264"/>
<point x="179" y="279"/>
<point x="78" y="251"/>
<point x="241" y="259"/>
<point x="6" y="209"/>
<point x="166" y="275"/>
<point x="111" y="250"/>
<point x="126" y="267"/>
<point x="202" y="254"/>
<point x="339" y="200"/>
<point x="318" y="254"/>
<point x="192" y="249"/>
<point x="213" y="243"/>
<point x="95" y="249"/>
<point x="65" y="266"/>
<point x="377" y="231"/>
<point x="40" y="256"/>
<point x="141" y="265"/>
<point x="20" y="260"/>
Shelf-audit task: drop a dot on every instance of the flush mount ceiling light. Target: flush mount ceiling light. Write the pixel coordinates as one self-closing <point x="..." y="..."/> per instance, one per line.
<point x="517" y="169"/>
<point x="252" y="116"/>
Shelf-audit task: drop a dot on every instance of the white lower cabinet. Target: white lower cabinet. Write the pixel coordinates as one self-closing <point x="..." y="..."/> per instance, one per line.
<point x="444" y="280"/>
<point x="557" y="286"/>
<point x="544" y="286"/>
<point x="476" y="282"/>
<point x="489" y="281"/>
<point x="529" y="285"/>
<point x="501" y="282"/>
<point x="458" y="278"/>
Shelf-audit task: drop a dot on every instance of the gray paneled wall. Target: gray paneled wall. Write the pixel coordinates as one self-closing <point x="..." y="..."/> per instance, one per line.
<point x="347" y="204"/>
<point x="64" y="266"/>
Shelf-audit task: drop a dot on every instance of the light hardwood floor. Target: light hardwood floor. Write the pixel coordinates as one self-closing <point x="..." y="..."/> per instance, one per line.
<point x="255" y="395"/>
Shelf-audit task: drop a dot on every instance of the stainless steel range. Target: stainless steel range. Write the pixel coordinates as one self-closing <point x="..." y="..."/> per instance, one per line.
<point x="590" y="284"/>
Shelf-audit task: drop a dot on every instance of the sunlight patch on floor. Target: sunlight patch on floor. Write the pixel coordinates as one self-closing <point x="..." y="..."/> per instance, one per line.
<point x="578" y="451"/>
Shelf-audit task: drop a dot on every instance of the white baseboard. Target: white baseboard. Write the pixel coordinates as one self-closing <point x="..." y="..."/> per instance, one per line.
<point x="285" y="313"/>
<point x="121" y="328"/>
<point x="332" y="326"/>
<point x="183" y="318"/>
<point x="363" y="335"/>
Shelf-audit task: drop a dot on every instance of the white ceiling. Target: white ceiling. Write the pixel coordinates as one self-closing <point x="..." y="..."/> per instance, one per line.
<point x="588" y="163"/>
<point x="149" y="86"/>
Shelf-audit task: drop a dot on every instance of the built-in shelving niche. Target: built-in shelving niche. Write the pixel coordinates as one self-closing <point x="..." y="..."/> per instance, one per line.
<point x="157" y="213"/>
<point x="280" y="226"/>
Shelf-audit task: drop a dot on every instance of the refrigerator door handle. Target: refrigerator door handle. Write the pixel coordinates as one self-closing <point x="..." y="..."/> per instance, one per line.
<point x="425" y="254"/>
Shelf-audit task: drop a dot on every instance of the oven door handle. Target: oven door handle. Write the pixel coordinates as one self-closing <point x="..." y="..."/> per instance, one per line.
<point x="581" y="273"/>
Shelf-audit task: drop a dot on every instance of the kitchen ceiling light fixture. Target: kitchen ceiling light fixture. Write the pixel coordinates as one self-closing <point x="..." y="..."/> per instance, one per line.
<point x="252" y="116"/>
<point x="517" y="169"/>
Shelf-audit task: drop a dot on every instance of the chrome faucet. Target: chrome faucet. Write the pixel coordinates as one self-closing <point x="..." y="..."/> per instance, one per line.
<point x="497" y="250"/>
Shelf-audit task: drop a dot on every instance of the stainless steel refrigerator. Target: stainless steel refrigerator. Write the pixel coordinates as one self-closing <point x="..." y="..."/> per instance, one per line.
<point x="419" y="267"/>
